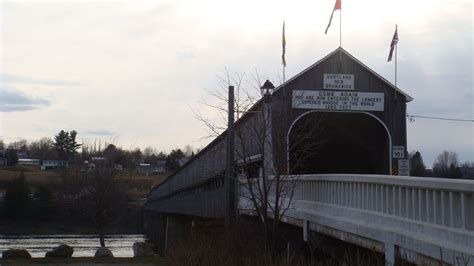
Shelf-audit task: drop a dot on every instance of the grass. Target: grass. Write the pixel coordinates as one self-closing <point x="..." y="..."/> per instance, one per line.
<point x="85" y="261"/>
<point x="243" y="244"/>
<point x="138" y="185"/>
<point x="33" y="175"/>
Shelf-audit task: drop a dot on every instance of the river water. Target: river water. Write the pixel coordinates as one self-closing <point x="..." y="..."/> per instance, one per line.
<point x="84" y="245"/>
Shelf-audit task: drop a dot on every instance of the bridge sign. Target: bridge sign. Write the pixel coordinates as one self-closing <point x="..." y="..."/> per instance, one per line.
<point x="338" y="100"/>
<point x="398" y="152"/>
<point x="403" y="167"/>
<point x="338" y="82"/>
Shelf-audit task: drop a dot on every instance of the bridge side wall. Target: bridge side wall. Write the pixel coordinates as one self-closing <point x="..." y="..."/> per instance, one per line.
<point x="198" y="187"/>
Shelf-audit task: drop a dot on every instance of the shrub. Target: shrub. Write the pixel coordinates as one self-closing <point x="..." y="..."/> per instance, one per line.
<point x="17" y="198"/>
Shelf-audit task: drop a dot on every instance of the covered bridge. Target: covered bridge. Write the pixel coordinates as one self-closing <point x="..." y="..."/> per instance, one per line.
<point x="336" y="116"/>
<point x="338" y="129"/>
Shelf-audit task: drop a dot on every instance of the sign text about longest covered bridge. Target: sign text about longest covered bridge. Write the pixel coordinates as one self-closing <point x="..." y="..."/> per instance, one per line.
<point x="338" y="100"/>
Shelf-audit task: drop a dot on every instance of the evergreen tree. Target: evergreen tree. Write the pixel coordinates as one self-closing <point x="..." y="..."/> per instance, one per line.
<point x="454" y="171"/>
<point x="61" y="144"/>
<point x="65" y="144"/>
<point x="172" y="159"/>
<point x="73" y="146"/>
<point x="417" y="166"/>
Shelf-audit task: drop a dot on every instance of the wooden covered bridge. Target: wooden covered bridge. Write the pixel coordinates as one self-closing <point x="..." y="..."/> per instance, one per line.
<point x="336" y="132"/>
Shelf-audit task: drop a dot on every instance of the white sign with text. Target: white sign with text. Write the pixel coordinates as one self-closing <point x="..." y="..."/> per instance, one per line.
<point x="338" y="100"/>
<point x="338" y="82"/>
<point x="398" y="152"/>
<point x="403" y="167"/>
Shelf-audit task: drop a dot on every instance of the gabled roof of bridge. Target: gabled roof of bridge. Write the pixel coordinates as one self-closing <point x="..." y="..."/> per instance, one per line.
<point x="340" y="49"/>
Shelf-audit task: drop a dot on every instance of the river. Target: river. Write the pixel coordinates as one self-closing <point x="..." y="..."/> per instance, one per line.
<point x="84" y="245"/>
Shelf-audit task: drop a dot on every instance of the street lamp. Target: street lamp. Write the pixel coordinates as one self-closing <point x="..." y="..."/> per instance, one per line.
<point x="267" y="88"/>
<point x="267" y="156"/>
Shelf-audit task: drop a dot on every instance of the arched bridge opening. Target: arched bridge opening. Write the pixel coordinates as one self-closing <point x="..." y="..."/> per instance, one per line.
<point x="337" y="142"/>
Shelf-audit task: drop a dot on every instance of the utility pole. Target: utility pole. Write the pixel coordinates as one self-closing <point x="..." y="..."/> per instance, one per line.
<point x="229" y="172"/>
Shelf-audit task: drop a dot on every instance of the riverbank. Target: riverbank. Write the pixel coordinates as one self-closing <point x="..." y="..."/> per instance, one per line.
<point x="83" y="261"/>
<point x="56" y="202"/>
<point x="83" y="245"/>
<point x="12" y="227"/>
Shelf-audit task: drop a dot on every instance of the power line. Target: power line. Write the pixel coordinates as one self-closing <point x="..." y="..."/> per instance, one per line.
<point x="412" y="118"/>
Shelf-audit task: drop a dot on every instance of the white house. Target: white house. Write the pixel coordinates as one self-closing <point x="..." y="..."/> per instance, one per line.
<point x="53" y="164"/>
<point x="29" y="162"/>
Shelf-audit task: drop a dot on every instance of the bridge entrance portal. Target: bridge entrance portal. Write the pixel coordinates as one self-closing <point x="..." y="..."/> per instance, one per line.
<point x="352" y="143"/>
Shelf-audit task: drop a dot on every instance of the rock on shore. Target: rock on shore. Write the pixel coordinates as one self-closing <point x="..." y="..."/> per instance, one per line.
<point x="16" y="254"/>
<point x="143" y="249"/>
<point x="103" y="252"/>
<point x="61" y="251"/>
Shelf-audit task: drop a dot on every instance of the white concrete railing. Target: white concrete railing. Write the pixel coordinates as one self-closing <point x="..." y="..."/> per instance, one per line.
<point x="441" y="202"/>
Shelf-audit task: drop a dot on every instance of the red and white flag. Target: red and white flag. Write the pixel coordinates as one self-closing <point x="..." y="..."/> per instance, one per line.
<point x="337" y="6"/>
<point x="393" y="44"/>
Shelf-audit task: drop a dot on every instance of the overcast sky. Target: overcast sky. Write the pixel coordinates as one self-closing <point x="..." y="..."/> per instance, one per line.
<point x="133" y="71"/>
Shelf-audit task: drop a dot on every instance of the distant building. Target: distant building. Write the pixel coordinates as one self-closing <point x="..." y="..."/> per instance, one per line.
<point x="22" y="154"/>
<point x="3" y="161"/>
<point x="100" y="161"/>
<point x="160" y="167"/>
<point x="53" y="164"/>
<point x="137" y="162"/>
<point x="86" y="166"/>
<point x="96" y="159"/>
<point x="148" y="169"/>
<point x="35" y="162"/>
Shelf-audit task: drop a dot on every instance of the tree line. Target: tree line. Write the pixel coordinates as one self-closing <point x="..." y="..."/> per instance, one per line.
<point x="64" y="146"/>
<point x="446" y="165"/>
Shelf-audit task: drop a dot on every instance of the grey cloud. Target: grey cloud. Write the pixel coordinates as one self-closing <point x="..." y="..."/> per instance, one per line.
<point x="13" y="100"/>
<point x="183" y="55"/>
<point x="7" y="78"/>
<point x="100" y="133"/>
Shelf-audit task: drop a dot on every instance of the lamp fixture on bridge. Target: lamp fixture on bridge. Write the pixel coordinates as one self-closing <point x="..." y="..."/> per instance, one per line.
<point x="267" y="88"/>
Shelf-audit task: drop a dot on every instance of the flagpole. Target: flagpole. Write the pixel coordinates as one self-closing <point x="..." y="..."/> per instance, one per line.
<point x="396" y="48"/>
<point x="283" y="42"/>
<point x="340" y="27"/>
<point x="396" y="65"/>
<point x="284" y="92"/>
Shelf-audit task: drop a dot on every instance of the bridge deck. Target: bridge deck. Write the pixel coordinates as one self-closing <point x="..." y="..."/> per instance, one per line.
<point x="423" y="219"/>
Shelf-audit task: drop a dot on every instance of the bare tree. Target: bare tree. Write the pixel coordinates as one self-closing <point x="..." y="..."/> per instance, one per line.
<point x="2" y="146"/>
<point x="188" y="151"/>
<point x="42" y="149"/>
<point x="18" y="145"/>
<point x="447" y="165"/>
<point x="262" y="162"/>
<point x="149" y="151"/>
<point x="246" y="95"/>
<point x="103" y="197"/>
